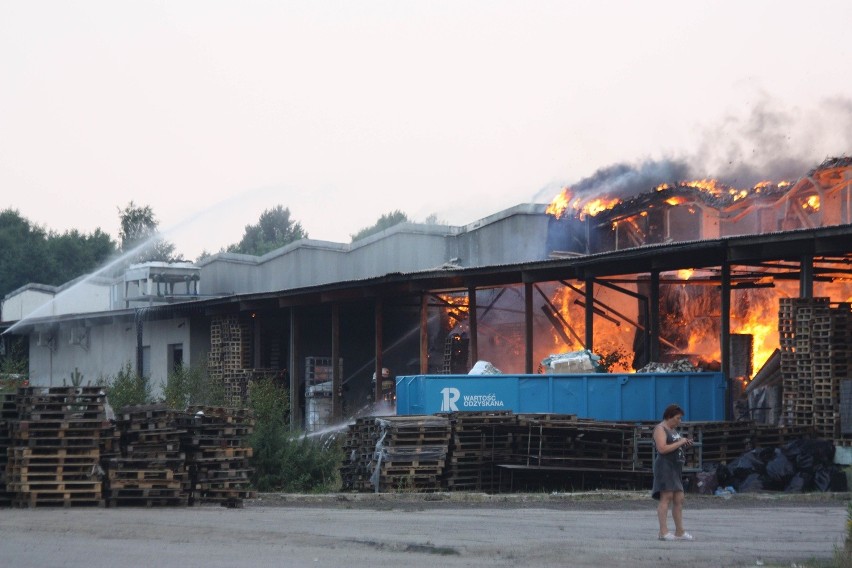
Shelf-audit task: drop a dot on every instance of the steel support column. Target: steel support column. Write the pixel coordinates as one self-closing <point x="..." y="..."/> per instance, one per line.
<point x="806" y="277"/>
<point x="528" y="328"/>
<point x="654" y="313"/>
<point x="473" y="352"/>
<point x="725" y="339"/>
<point x="295" y="370"/>
<point x="424" y="333"/>
<point x="379" y="317"/>
<point x="336" y="379"/>
<point x="590" y="314"/>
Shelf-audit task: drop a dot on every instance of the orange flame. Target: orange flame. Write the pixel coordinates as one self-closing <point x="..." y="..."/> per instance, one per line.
<point x="811" y="204"/>
<point x="598" y="205"/>
<point x="565" y="200"/>
<point x="560" y="203"/>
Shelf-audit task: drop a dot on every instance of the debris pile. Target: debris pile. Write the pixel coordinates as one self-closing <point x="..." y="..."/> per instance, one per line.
<point x="484" y="368"/>
<point x="829" y="163"/>
<point x="572" y="363"/>
<point x="677" y="366"/>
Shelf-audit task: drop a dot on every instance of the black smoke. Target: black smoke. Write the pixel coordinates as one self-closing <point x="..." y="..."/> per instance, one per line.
<point x="772" y="143"/>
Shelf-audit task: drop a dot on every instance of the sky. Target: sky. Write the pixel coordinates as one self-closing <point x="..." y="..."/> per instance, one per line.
<point x="211" y="112"/>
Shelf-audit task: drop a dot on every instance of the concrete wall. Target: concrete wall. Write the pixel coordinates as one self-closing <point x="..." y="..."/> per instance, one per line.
<point x="228" y="273"/>
<point x="109" y="347"/>
<point x="25" y="301"/>
<point x="516" y="235"/>
<point x="76" y="297"/>
<point x="82" y="297"/>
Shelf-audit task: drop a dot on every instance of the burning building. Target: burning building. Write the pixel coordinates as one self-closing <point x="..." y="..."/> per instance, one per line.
<point x="635" y="277"/>
<point x="595" y="221"/>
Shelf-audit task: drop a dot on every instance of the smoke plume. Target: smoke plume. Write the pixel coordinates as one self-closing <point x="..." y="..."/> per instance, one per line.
<point x="772" y="143"/>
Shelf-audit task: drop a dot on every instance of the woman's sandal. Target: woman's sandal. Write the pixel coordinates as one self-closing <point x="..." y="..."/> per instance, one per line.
<point x="667" y="536"/>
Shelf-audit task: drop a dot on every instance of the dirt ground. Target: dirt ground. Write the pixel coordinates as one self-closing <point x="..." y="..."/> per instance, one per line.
<point x="425" y="530"/>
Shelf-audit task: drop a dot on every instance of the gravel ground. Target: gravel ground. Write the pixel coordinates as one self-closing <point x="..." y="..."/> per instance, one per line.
<point x="425" y="530"/>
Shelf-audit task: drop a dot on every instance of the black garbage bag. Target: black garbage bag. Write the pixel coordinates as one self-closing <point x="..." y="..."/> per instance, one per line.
<point x="748" y="463"/>
<point x="764" y="454"/>
<point x="802" y="481"/>
<point x="724" y="477"/>
<point x="751" y="484"/>
<point x="839" y="480"/>
<point x="706" y="482"/>
<point x="779" y="471"/>
<point x="822" y="478"/>
<point x="829" y="478"/>
<point x="808" y="454"/>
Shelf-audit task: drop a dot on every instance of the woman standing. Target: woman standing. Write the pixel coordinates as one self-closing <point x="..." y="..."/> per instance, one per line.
<point x="668" y="472"/>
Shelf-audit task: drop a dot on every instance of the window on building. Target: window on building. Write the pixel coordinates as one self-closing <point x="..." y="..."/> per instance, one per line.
<point x="146" y="361"/>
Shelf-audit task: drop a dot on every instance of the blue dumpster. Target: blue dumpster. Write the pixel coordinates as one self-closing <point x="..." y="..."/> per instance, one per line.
<point x="599" y="396"/>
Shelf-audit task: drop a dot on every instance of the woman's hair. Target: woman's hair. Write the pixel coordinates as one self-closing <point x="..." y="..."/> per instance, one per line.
<point x="671" y="411"/>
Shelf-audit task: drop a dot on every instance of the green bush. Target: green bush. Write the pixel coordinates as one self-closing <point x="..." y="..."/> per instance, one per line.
<point x="127" y="388"/>
<point x="187" y="386"/>
<point x="76" y="378"/>
<point x="13" y="368"/>
<point x="292" y="463"/>
<point x="282" y="460"/>
<point x="269" y="402"/>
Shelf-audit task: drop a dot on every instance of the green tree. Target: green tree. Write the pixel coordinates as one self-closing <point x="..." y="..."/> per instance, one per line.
<point x="273" y="230"/>
<point x="283" y="461"/>
<point x="13" y="356"/>
<point x="269" y="402"/>
<point x="432" y="219"/>
<point x="189" y="386"/>
<point x="73" y="253"/>
<point x="139" y="232"/>
<point x="127" y="388"/>
<point x="30" y="254"/>
<point x="23" y="252"/>
<point x="386" y="221"/>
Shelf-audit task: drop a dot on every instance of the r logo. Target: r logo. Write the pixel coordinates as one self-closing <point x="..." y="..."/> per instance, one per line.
<point x="451" y="395"/>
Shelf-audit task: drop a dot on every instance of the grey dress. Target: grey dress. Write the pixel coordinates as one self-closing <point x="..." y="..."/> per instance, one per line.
<point x="668" y="468"/>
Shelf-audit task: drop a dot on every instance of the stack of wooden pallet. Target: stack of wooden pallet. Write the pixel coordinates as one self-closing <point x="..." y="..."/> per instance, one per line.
<point x="228" y="357"/>
<point x="54" y="453"/>
<point x="816" y="355"/>
<point x="563" y="440"/>
<point x="357" y="453"/>
<point x="215" y="440"/>
<point x="8" y="411"/>
<point x="479" y="441"/>
<point x="392" y="453"/>
<point x="831" y="341"/>
<point x="722" y="442"/>
<point x="396" y="453"/>
<point x="151" y="470"/>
